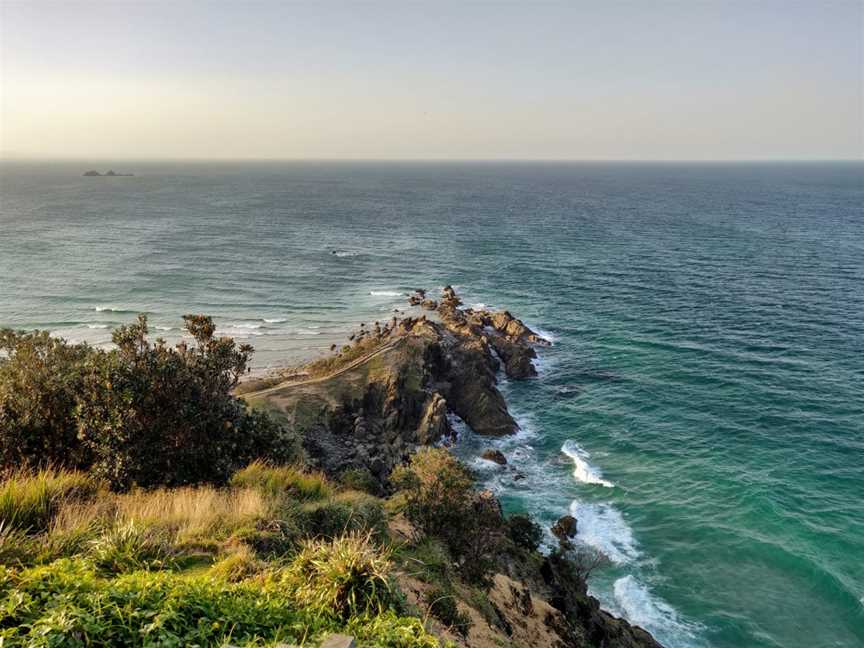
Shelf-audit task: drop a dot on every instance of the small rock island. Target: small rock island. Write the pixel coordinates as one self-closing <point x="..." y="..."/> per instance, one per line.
<point x="108" y="174"/>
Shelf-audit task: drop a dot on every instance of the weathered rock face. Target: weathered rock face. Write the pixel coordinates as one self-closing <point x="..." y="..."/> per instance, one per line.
<point x="372" y="411"/>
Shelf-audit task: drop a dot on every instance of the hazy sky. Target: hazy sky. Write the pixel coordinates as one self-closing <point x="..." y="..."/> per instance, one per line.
<point x="581" y="80"/>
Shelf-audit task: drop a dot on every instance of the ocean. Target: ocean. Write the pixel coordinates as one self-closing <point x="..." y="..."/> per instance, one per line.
<point x="701" y="411"/>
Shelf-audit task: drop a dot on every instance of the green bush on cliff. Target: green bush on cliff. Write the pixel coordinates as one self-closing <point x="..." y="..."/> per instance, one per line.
<point x="440" y="501"/>
<point x="141" y="414"/>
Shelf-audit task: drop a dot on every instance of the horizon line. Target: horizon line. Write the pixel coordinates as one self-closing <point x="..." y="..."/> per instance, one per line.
<point x="9" y="157"/>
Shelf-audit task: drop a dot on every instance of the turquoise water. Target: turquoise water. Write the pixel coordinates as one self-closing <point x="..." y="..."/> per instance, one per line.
<point x="707" y="377"/>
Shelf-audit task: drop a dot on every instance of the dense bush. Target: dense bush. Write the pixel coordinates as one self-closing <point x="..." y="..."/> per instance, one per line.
<point x="523" y="532"/>
<point x="141" y="414"/>
<point x="441" y="502"/>
<point x="40" y="379"/>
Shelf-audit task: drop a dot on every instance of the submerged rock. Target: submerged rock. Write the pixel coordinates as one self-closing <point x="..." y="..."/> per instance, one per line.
<point x="491" y="454"/>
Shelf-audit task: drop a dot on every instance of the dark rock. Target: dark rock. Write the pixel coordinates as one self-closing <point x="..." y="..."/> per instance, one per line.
<point x="490" y="454"/>
<point x="565" y="528"/>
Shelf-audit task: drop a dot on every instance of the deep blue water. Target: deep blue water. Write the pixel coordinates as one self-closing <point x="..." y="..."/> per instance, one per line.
<point x="707" y="377"/>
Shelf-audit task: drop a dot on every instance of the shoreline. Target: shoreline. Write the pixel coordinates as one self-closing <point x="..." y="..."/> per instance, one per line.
<point x="490" y="344"/>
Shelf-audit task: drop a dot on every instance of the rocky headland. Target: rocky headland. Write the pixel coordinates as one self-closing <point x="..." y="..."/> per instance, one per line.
<point x="394" y="388"/>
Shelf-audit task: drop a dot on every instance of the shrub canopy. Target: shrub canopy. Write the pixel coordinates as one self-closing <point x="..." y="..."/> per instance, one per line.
<point x="140" y="414"/>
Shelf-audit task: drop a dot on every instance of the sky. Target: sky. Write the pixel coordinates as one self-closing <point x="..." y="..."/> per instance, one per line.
<point x="641" y="80"/>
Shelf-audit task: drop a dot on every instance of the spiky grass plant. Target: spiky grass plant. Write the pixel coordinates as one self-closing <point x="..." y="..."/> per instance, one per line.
<point x="346" y="576"/>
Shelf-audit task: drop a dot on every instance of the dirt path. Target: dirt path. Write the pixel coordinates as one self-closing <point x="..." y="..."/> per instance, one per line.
<point x="309" y="381"/>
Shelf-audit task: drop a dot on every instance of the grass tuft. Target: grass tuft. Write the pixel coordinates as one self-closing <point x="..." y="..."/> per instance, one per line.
<point x="28" y="501"/>
<point x="283" y="480"/>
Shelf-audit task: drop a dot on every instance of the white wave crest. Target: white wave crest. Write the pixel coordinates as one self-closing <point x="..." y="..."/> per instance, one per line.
<point x="97" y="326"/>
<point x="582" y="470"/>
<point x="604" y="528"/>
<point x="385" y="293"/>
<point x="546" y="335"/>
<point x="164" y="328"/>
<point x="238" y="332"/>
<point x="242" y="325"/>
<point x="275" y="320"/>
<point x="640" y="606"/>
<point x="307" y="332"/>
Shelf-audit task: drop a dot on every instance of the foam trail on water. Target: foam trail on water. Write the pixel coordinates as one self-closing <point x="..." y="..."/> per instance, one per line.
<point x="275" y="320"/>
<point x="603" y="527"/>
<point x="385" y="293"/>
<point x="582" y="470"/>
<point x="638" y="605"/>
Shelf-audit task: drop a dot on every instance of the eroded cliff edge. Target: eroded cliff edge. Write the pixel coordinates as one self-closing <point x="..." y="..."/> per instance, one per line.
<point x="394" y="388"/>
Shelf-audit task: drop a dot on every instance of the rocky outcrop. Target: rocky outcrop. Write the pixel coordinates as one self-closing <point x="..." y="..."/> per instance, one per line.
<point x="565" y="530"/>
<point x="394" y="385"/>
<point x="490" y="454"/>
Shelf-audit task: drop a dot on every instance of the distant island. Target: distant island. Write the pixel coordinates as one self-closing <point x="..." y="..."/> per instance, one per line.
<point x="109" y="173"/>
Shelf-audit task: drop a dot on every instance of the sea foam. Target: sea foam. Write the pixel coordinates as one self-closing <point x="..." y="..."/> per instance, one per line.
<point x="603" y="527"/>
<point x="385" y="293"/>
<point x="638" y="605"/>
<point x="582" y="470"/>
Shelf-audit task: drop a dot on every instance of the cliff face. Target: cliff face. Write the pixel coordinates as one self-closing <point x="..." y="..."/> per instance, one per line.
<point x="377" y="400"/>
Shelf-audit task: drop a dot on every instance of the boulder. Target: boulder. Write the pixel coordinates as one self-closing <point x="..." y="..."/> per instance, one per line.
<point x="491" y="454"/>
<point x="565" y="528"/>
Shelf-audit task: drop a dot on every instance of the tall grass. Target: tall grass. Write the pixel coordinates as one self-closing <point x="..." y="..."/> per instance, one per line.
<point x="283" y="480"/>
<point x="29" y="501"/>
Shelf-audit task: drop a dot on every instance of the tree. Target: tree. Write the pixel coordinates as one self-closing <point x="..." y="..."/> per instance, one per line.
<point x="40" y="378"/>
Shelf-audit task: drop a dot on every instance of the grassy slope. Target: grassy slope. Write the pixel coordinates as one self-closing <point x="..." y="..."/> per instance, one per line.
<point x="279" y="555"/>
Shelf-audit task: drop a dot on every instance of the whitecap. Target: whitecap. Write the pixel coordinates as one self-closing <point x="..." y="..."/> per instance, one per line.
<point x="638" y="605"/>
<point x="244" y="325"/>
<point x="385" y="293"/>
<point x="97" y="326"/>
<point x="275" y="320"/>
<point x="603" y="527"/>
<point x="479" y="306"/>
<point x="551" y="338"/>
<point x="582" y="470"/>
<point x="307" y="332"/>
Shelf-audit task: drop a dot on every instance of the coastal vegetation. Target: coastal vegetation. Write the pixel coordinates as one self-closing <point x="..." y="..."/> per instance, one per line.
<point x="144" y="502"/>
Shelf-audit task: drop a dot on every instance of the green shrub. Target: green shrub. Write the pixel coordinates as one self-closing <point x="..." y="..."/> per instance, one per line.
<point x="28" y="501"/>
<point x="290" y="481"/>
<point x="360" y="479"/>
<point x="523" y="532"/>
<point x="443" y="606"/>
<point x="346" y="512"/>
<point x="441" y="502"/>
<point x="142" y="414"/>
<point x="40" y="379"/>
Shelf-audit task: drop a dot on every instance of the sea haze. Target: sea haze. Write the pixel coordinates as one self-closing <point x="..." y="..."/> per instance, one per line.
<point x="701" y="411"/>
